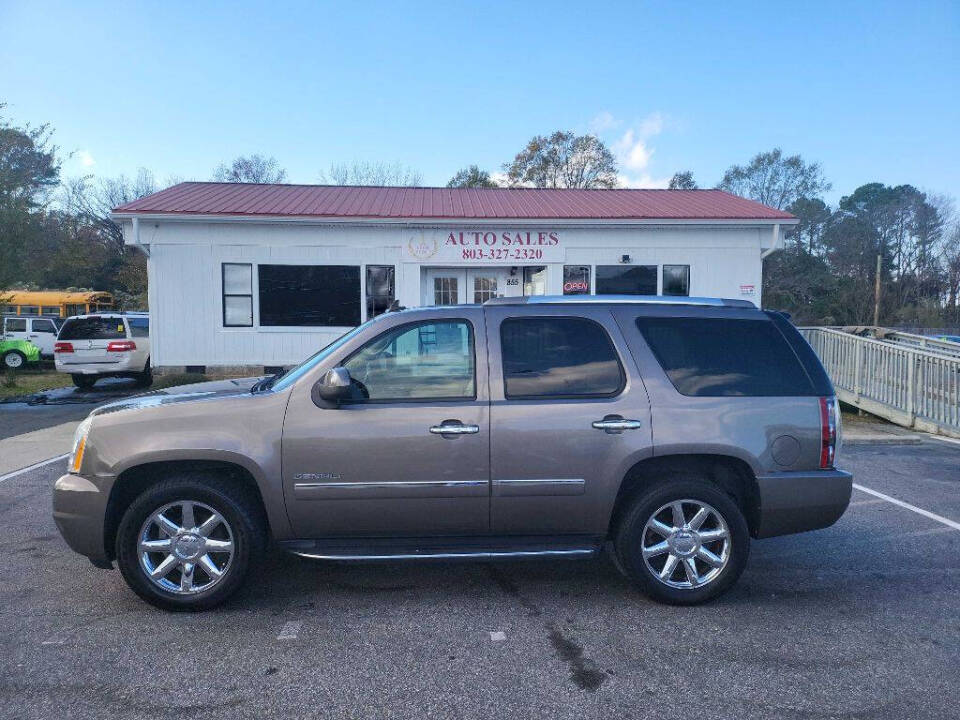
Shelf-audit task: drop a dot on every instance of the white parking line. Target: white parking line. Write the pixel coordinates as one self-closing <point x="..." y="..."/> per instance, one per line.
<point x="920" y="511"/>
<point x="498" y="636"/>
<point x="289" y="631"/>
<point x="953" y="441"/>
<point x="28" y="468"/>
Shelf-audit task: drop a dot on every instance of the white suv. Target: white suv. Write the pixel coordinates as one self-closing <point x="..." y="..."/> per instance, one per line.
<point x="105" y="345"/>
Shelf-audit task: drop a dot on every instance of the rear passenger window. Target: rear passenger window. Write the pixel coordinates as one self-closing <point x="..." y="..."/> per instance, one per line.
<point x="558" y="357"/>
<point x="706" y="357"/>
<point x="139" y="327"/>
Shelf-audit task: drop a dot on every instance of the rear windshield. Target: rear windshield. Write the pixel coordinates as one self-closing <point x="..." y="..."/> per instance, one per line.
<point x="92" y="328"/>
<point x="712" y="357"/>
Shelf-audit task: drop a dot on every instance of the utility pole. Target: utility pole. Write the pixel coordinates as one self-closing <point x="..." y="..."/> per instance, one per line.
<point x="876" y="296"/>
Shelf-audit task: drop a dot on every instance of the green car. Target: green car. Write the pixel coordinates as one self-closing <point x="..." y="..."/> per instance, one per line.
<point x="14" y="354"/>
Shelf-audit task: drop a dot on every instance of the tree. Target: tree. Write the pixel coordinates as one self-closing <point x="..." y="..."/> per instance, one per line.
<point x="813" y="214"/>
<point x="683" y="181"/>
<point x="29" y="168"/>
<point x="253" y="169"/>
<point x="563" y="160"/>
<point x="379" y="174"/>
<point x="471" y="177"/>
<point x="775" y="180"/>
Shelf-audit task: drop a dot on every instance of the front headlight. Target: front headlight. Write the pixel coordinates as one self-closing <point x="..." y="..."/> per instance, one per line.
<point x="79" y="445"/>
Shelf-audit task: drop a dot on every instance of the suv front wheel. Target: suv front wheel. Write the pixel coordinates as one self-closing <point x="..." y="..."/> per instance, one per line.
<point x="683" y="542"/>
<point x="187" y="544"/>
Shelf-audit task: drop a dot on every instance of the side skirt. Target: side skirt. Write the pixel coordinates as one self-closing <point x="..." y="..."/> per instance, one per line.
<point x="445" y="548"/>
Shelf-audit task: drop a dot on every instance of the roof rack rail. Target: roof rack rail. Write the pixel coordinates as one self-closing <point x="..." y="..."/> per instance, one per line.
<point x="620" y="299"/>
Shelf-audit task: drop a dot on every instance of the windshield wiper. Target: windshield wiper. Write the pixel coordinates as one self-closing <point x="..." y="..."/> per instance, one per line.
<point x="265" y="383"/>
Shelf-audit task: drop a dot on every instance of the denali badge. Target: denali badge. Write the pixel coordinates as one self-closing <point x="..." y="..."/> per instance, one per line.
<point x="317" y="476"/>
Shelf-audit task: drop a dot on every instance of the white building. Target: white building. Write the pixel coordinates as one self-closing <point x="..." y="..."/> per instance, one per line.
<point x="264" y="275"/>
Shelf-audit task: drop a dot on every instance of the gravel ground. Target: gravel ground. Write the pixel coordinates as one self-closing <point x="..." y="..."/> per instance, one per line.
<point x="858" y="620"/>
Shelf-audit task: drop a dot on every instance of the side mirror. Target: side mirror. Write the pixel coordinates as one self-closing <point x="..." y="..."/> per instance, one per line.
<point x="334" y="386"/>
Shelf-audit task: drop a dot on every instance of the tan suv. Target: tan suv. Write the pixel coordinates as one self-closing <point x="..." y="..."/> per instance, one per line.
<point x="674" y="429"/>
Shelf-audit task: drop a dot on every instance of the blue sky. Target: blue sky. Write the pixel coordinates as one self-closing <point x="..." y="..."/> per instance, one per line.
<point x="871" y="90"/>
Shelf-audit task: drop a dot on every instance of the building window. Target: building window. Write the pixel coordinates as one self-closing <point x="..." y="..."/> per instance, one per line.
<point x="381" y="289"/>
<point x="626" y="279"/>
<point x="576" y="279"/>
<point x="535" y="280"/>
<point x="484" y="288"/>
<point x="558" y="357"/>
<point x="445" y="291"/>
<point x="309" y="295"/>
<point x="237" y="294"/>
<point x="676" y="280"/>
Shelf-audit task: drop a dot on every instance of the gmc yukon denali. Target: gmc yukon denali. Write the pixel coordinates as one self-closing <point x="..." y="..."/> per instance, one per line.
<point x="670" y="430"/>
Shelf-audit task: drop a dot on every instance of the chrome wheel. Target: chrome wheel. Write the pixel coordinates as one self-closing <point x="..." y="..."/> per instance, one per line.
<point x="686" y="544"/>
<point x="185" y="547"/>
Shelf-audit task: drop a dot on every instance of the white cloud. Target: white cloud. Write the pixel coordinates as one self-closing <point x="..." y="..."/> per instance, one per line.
<point x="643" y="180"/>
<point x="634" y="151"/>
<point x="85" y="158"/>
<point x="602" y="122"/>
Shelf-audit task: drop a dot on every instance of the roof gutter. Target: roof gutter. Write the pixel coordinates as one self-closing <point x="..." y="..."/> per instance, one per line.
<point x="777" y="243"/>
<point x="443" y="221"/>
<point x="136" y="236"/>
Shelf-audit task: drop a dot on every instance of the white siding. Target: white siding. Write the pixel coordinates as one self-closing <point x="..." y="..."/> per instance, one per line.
<point x="185" y="275"/>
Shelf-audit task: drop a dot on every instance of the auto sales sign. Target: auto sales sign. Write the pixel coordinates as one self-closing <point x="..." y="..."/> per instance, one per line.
<point x="483" y="247"/>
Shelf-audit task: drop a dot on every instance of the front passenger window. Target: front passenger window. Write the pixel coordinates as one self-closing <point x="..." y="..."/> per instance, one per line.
<point x="432" y="360"/>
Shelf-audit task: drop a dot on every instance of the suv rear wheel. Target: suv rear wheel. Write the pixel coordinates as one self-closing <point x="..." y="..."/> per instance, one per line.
<point x="83" y="381"/>
<point x="683" y="542"/>
<point x="187" y="544"/>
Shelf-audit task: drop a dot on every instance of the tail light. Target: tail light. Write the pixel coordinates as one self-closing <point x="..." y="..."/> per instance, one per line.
<point x="121" y="346"/>
<point x="63" y="347"/>
<point x="828" y="432"/>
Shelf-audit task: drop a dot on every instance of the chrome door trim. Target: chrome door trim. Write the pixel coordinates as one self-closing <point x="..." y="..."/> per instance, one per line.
<point x="400" y="489"/>
<point x="616" y="425"/>
<point x="539" y="486"/>
<point x="486" y="554"/>
<point x="454" y="429"/>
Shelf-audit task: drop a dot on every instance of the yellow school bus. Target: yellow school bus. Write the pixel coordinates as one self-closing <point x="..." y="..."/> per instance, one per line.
<point x="54" y="303"/>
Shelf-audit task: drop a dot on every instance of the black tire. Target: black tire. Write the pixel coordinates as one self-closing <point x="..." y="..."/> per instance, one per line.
<point x="632" y="532"/>
<point x="84" y="382"/>
<point x="145" y="378"/>
<point x="241" y="512"/>
<point x="14" y="360"/>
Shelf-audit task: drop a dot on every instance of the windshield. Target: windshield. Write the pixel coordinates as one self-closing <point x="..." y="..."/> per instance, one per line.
<point x="297" y="371"/>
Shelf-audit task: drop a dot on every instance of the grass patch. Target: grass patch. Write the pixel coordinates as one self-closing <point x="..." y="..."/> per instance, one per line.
<point x="28" y="382"/>
<point x="165" y="381"/>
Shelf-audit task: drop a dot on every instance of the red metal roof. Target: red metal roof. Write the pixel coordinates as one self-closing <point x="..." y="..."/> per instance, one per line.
<point x="333" y="201"/>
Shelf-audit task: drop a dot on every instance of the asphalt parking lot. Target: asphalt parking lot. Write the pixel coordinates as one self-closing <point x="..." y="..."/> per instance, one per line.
<point x="859" y="620"/>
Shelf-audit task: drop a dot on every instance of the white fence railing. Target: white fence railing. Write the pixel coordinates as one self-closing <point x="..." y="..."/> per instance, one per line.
<point x="903" y="384"/>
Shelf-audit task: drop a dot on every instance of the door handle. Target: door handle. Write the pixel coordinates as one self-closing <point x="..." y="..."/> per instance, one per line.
<point x="454" y="427"/>
<point x="615" y="424"/>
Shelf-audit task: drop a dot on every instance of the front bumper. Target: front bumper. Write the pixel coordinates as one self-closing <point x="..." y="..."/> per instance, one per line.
<point x="79" y="510"/>
<point x="792" y="502"/>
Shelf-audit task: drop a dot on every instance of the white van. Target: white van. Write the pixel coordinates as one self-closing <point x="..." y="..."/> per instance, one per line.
<point x="41" y="331"/>
<point x="90" y="347"/>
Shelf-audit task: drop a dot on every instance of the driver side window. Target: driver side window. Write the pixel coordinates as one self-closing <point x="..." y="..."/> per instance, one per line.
<point x="431" y="360"/>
